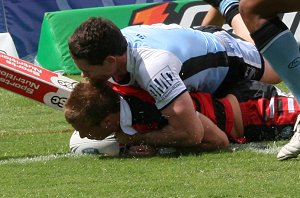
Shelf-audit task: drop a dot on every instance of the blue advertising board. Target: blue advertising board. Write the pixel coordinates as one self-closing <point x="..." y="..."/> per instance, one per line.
<point x="23" y="19"/>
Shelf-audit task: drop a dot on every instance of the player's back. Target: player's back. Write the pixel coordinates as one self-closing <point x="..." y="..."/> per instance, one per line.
<point x="185" y="43"/>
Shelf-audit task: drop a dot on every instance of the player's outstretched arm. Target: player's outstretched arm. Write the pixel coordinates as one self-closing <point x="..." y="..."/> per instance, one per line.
<point x="214" y="138"/>
<point x="190" y="130"/>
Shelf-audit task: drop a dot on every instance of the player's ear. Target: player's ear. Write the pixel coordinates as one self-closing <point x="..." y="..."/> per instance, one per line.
<point x="111" y="119"/>
<point x="106" y="122"/>
<point x="110" y="59"/>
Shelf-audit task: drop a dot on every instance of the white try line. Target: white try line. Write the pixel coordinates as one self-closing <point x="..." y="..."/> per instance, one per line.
<point x="258" y="147"/>
<point x="261" y="147"/>
<point x="25" y="160"/>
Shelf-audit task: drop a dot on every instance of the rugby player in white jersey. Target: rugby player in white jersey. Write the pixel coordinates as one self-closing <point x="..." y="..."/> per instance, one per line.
<point x="168" y="61"/>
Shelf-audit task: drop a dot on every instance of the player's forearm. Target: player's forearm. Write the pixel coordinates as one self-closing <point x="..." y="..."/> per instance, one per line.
<point x="164" y="137"/>
<point x="214" y="137"/>
<point x="184" y="125"/>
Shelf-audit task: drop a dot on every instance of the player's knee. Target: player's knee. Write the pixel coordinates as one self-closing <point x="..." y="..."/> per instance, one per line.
<point x="246" y="7"/>
<point x="276" y="80"/>
<point x="270" y="76"/>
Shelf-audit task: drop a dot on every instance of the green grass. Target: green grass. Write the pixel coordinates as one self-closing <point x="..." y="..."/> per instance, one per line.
<point x="35" y="162"/>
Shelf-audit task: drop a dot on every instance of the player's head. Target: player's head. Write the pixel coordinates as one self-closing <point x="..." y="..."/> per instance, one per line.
<point x="93" y="46"/>
<point x="93" y="111"/>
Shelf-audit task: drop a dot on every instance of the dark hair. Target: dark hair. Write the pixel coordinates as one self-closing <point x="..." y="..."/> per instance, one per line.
<point x="89" y="105"/>
<point x="95" y="39"/>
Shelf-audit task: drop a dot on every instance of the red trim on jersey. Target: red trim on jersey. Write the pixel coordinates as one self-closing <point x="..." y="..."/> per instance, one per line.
<point x="206" y="105"/>
<point x="259" y="112"/>
<point x="230" y="121"/>
<point x="133" y="91"/>
<point x="229" y="116"/>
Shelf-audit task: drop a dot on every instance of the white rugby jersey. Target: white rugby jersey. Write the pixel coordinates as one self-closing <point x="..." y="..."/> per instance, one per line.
<point x="167" y="60"/>
<point x="126" y="118"/>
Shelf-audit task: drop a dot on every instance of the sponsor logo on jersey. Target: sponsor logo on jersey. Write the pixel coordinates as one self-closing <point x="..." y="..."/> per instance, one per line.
<point x="163" y="83"/>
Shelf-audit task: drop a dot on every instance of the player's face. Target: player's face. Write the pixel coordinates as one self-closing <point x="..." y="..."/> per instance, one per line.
<point x="97" y="132"/>
<point x="96" y="72"/>
<point x="110" y="125"/>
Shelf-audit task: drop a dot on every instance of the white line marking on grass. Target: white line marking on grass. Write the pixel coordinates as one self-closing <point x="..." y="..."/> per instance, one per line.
<point x="259" y="147"/>
<point x="269" y="150"/>
<point x="44" y="158"/>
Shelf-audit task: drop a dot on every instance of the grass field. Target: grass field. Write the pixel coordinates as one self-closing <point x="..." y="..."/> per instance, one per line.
<point x="35" y="162"/>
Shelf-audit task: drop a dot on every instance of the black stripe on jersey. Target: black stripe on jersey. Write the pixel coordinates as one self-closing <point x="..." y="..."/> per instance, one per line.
<point x="196" y="64"/>
<point x="252" y="90"/>
<point x="144" y="113"/>
<point x="220" y="114"/>
<point x="238" y="71"/>
<point x="197" y="103"/>
<point x="264" y="113"/>
<point x="280" y="107"/>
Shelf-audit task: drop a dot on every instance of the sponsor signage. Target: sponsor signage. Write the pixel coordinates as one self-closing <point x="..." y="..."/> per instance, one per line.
<point x="34" y="82"/>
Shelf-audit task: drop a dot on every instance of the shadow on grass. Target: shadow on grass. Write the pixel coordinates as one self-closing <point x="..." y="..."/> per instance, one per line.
<point x="165" y="153"/>
<point x="265" y="147"/>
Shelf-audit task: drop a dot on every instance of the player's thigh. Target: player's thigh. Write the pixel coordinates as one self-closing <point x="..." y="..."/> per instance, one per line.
<point x="270" y="76"/>
<point x="268" y="8"/>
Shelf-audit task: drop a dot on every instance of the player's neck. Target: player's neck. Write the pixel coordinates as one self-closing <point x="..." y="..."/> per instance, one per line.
<point x="122" y="75"/>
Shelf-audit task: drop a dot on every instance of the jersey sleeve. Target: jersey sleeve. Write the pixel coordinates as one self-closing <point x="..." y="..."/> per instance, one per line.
<point x="158" y="73"/>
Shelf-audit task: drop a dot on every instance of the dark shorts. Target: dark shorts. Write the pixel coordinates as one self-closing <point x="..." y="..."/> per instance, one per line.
<point x="244" y="60"/>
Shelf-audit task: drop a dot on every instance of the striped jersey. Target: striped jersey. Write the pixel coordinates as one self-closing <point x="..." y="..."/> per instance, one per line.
<point x="167" y="60"/>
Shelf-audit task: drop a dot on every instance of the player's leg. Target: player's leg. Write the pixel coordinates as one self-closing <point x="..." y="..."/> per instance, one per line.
<point x="256" y="13"/>
<point x="228" y="8"/>
<point x="230" y="11"/>
<point x="279" y="46"/>
<point x="272" y="37"/>
<point x="213" y="17"/>
<point x="269" y="75"/>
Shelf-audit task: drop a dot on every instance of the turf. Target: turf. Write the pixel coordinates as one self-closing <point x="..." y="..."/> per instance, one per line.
<point x="35" y="162"/>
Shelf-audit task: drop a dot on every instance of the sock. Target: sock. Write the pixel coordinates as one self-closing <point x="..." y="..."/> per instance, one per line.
<point x="283" y="54"/>
<point x="279" y="46"/>
<point x="229" y="8"/>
